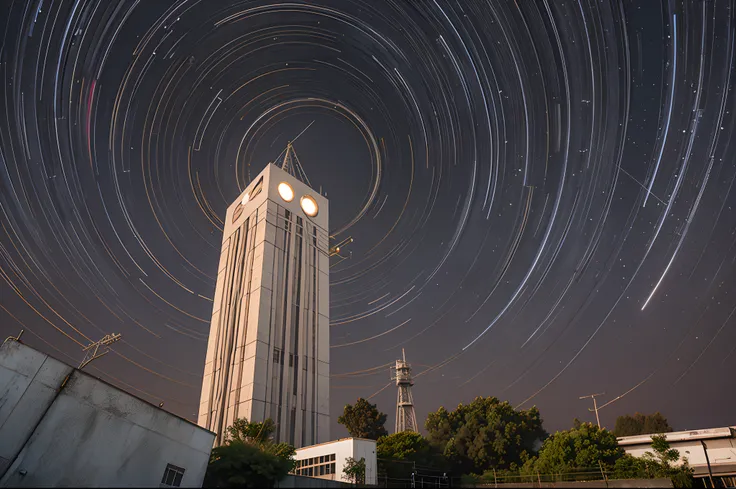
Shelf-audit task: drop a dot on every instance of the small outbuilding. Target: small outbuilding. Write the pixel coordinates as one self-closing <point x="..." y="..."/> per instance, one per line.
<point x="60" y="426"/>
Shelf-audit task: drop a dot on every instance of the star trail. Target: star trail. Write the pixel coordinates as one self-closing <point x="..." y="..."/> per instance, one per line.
<point x="540" y="193"/>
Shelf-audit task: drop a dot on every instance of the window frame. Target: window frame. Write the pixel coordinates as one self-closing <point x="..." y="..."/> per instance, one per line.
<point x="173" y="472"/>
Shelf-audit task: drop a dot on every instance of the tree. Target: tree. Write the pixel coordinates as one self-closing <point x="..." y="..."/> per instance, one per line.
<point x="405" y="445"/>
<point x="662" y="461"/>
<point x="363" y="420"/>
<point x="582" y="447"/>
<point x="245" y="465"/>
<point x="485" y="434"/>
<point x="641" y="424"/>
<point x="628" y="467"/>
<point x="354" y="470"/>
<point x="249" y="457"/>
<point x="245" y="431"/>
<point x="399" y="453"/>
<point x="657" y="464"/>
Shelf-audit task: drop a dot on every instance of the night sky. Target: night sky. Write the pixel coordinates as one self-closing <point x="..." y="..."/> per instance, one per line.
<point x="540" y="192"/>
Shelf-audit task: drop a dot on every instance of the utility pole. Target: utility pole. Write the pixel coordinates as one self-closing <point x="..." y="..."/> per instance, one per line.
<point x="93" y="349"/>
<point x="595" y="406"/>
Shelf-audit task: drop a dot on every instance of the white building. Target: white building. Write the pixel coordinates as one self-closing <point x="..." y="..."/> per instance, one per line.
<point x="60" y="426"/>
<point x="327" y="460"/>
<point x="715" y="447"/>
<point x="268" y="349"/>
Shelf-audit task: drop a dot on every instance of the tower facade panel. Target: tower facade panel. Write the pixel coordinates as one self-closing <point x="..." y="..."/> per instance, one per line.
<point x="268" y="350"/>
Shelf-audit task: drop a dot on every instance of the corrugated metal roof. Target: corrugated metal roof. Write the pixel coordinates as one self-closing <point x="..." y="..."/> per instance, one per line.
<point x="706" y="434"/>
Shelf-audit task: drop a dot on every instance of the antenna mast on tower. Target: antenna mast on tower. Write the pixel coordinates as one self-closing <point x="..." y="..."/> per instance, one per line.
<point x="406" y="417"/>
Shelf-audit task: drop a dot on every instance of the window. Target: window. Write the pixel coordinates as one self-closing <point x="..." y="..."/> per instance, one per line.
<point x="256" y="189"/>
<point x="172" y="476"/>
<point x="276" y="355"/>
<point x="316" y="466"/>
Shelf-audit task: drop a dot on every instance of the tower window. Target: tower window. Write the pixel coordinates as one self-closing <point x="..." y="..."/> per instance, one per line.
<point x="276" y="355"/>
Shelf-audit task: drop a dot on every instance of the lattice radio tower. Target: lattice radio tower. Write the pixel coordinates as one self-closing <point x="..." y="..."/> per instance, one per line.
<point x="406" y="417"/>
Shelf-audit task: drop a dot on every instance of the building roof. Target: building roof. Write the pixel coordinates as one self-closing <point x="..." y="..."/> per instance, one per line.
<point x="336" y="441"/>
<point x="719" y="470"/>
<point x="681" y="436"/>
<point x="113" y="386"/>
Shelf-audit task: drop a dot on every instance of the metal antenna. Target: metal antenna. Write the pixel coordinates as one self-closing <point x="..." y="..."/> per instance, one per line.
<point x="93" y="349"/>
<point x="303" y="131"/>
<point x="595" y="406"/>
<point x="14" y="338"/>
<point x="335" y="250"/>
<point x="291" y="163"/>
<point x="406" y="417"/>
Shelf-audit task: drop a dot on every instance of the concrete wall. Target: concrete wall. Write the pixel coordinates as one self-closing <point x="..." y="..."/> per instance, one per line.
<point x="343" y="449"/>
<point x="721" y="451"/>
<point x="367" y="449"/>
<point x="62" y="427"/>
<point x="28" y="385"/>
<point x="298" y="481"/>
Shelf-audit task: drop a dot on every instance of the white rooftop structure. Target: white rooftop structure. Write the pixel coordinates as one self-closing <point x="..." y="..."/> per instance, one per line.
<point x="327" y="460"/>
<point x="710" y="452"/>
<point x="60" y="426"/>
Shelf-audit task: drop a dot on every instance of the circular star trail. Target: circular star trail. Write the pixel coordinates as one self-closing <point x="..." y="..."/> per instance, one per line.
<point x="540" y="193"/>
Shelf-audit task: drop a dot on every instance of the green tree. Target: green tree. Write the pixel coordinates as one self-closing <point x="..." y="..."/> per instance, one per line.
<point x="485" y="434"/>
<point x="398" y="453"/>
<point x="249" y="457"/>
<point x="245" y="465"/>
<point x="245" y="431"/>
<point x="363" y="420"/>
<point x="405" y="445"/>
<point x="661" y="463"/>
<point x="580" y="448"/>
<point x="641" y="424"/>
<point x="628" y="467"/>
<point x="354" y="470"/>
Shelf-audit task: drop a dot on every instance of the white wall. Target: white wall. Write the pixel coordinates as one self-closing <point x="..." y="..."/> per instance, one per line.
<point x="367" y="449"/>
<point x="28" y="383"/>
<point x="91" y="433"/>
<point x="720" y="451"/>
<point x="344" y="448"/>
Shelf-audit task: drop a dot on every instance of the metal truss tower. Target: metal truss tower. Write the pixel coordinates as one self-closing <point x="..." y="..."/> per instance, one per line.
<point x="406" y="417"/>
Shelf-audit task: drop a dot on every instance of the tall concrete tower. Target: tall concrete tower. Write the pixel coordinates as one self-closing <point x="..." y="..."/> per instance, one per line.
<point x="268" y="351"/>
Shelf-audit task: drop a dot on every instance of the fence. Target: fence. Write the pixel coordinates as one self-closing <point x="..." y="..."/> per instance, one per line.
<point x="577" y="475"/>
<point x="426" y="477"/>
